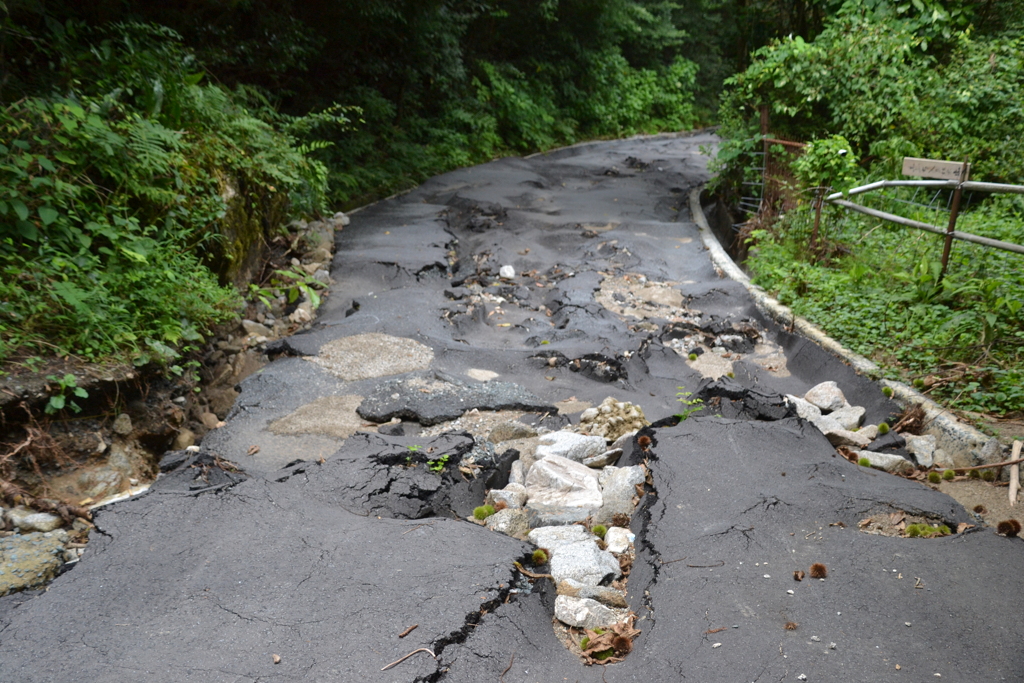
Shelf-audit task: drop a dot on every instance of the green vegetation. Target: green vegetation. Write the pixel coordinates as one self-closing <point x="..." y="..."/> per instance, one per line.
<point x="881" y="81"/>
<point x="883" y="428"/>
<point x="59" y="401"/>
<point x="693" y="405"/>
<point x="887" y="392"/>
<point x="437" y="465"/>
<point x="949" y="475"/>
<point x="539" y="557"/>
<point x="934" y="477"/>
<point x="483" y="512"/>
<point x="864" y="462"/>
<point x="923" y="530"/>
<point x="117" y="165"/>
<point x="599" y="530"/>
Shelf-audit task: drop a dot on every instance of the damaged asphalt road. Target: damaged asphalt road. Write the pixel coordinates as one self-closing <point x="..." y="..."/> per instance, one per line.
<point x="331" y="541"/>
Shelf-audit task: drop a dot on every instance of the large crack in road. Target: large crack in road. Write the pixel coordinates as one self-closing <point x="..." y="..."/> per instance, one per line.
<point x="331" y="541"/>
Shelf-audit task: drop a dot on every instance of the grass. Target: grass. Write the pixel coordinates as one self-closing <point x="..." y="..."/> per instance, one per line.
<point x="877" y="289"/>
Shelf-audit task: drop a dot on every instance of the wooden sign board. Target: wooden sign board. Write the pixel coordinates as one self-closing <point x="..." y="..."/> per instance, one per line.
<point x="933" y="168"/>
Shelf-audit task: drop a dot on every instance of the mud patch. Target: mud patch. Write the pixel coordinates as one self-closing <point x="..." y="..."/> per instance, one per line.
<point x="634" y="296"/>
<point x="365" y="356"/>
<point x="327" y="416"/>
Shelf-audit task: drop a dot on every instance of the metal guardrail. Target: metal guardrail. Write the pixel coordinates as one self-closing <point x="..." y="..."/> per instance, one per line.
<point x="838" y="199"/>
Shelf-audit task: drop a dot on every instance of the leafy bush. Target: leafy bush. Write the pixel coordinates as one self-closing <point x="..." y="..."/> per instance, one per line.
<point x="116" y="194"/>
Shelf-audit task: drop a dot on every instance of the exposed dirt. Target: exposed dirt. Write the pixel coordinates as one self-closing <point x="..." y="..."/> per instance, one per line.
<point x="107" y="441"/>
<point x="993" y="498"/>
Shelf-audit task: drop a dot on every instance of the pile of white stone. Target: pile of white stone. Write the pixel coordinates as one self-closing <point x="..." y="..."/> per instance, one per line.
<point x="826" y="408"/>
<point x="571" y="478"/>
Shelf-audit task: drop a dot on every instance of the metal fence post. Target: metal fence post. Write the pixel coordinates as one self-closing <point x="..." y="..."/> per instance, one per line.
<point x="819" y="199"/>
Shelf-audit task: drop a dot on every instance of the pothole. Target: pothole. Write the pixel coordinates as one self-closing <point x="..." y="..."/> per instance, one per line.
<point x="903" y="524"/>
<point x="634" y="296"/>
<point x="574" y="504"/>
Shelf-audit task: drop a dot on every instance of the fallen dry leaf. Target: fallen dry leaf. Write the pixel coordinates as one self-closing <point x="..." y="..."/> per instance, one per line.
<point x="618" y="638"/>
<point x="253" y="450"/>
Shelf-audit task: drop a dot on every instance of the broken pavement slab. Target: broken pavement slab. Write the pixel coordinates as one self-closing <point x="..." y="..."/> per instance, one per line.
<point x="431" y="398"/>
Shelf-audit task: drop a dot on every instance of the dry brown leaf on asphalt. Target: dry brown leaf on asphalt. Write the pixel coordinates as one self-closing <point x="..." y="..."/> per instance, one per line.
<point x="618" y="638"/>
<point x="253" y="450"/>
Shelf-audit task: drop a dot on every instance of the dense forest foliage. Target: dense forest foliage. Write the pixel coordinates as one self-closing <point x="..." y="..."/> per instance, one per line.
<point x="145" y="144"/>
<point x="881" y="81"/>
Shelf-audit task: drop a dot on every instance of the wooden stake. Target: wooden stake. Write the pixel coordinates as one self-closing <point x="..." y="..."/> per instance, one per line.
<point x="1014" y="473"/>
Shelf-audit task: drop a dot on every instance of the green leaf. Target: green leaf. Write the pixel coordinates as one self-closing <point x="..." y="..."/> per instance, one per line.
<point x="20" y="209"/>
<point x="54" y="404"/>
<point x="48" y="215"/>
<point x="27" y="230"/>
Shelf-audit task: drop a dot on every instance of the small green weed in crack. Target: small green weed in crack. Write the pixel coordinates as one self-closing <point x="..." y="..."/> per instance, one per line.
<point x="437" y="465"/>
<point x="692" y="405"/>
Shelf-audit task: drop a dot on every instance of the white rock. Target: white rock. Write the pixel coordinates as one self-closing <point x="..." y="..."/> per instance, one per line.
<point x="605" y="595"/>
<point x="826" y="396"/>
<point x="805" y="409"/>
<point x="887" y="461"/>
<point x="482" y="375"/>
<point x="517" y="475"/>
<point x="570" y="445"/>
<point x="922" y="448"/>
<point x="340" y="216"/>
<point x="584" y="562"/>
<point x="825" y="424"/>
<point x="844" y="437"/>
<point x="301" y="315"/>
<point x="252" y="327"/>
<point x="941" y="458"/>
<point x="869" y="431"/>
<point x="586" y="613"/>
<point x="551" y="537"/>
<point x="609" y="457"/>
<point x="618" y="487"/>
<point x="625" y="441"/>
<point x="562" y="491"/>
<point x="123" y="424"/>
<point x="29" y="520"/>
<point x="513" y="495"/>
<point x="850" y="418"/>
<point x="617" y="539"/>
<point x="511" y="522"/>
<point x="507" y="272"/>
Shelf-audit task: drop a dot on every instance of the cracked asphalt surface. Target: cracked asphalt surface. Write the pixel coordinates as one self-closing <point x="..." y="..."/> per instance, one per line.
<point x="324" y="562"/>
